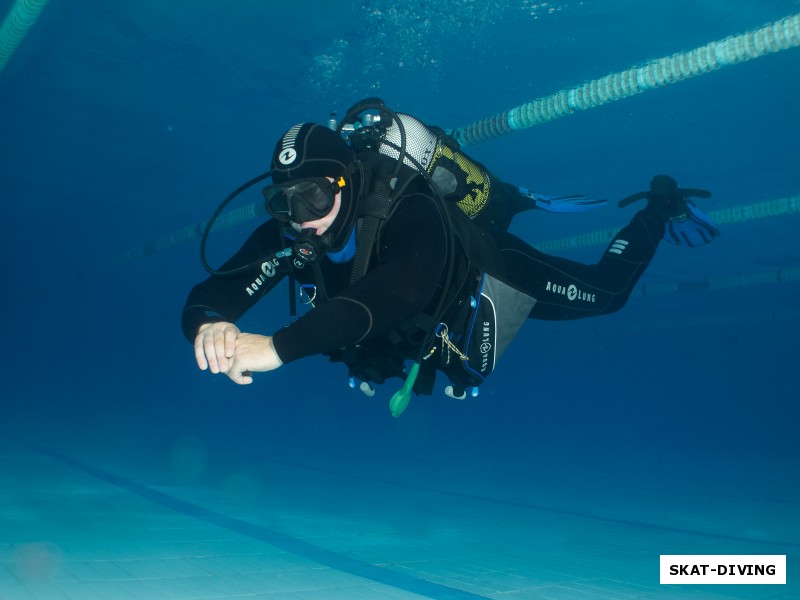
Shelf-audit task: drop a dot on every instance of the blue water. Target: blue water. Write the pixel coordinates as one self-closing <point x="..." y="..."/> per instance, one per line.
<point x="124" y="122"/>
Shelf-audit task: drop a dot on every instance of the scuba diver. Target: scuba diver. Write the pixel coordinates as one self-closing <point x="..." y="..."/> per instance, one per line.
<point x="399" y="243"/>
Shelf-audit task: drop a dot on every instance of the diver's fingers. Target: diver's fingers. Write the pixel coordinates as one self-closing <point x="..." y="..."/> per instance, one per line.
<point x="199" y="352"/>
<point x="242" y="378"/>
<point x="214" y="345"/>
<point x="220" y="358"/>
<point x="209" y="349"/>
<point x="239" y="374"/>
<point x="231" y="333"/>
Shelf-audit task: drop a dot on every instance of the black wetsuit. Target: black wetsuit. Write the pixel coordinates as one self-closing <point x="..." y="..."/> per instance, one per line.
<point x="405" y="280"/>
<point x="401" y="284"/>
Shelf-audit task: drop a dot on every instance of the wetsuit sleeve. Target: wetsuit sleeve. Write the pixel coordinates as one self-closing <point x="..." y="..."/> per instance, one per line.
<point x="402" y="284"/>
<point x="227" y="298"/>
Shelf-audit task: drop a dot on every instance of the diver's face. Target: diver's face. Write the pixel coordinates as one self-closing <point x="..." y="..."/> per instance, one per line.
<point x="322" y="224"/>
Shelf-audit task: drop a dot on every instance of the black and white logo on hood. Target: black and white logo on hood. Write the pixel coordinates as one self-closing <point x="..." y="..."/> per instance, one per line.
<point x="287" y="155"/>
<point x="310" y="150"/>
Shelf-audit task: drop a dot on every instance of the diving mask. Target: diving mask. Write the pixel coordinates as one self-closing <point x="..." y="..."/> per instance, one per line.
<point x="302" y="200"/>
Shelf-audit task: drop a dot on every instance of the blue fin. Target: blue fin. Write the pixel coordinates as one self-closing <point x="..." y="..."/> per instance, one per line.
<point x="693" y="228"/>
<point x="563" y="204"/>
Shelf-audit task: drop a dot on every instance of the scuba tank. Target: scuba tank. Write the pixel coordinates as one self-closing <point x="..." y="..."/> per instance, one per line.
<point x="425" y="150"/>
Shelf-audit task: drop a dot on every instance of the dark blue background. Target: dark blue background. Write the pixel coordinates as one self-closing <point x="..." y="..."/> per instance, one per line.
<point x="125" y="122"/>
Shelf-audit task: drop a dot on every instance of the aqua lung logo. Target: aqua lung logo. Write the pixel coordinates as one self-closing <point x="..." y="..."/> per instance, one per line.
<point x="486" y="345"/>
<point x="572" y="292"/>
<point x="484" y="336"/>
<point x="287" y="157"/>
<point x="288" y="154"/>
<point x="267" y="270"/>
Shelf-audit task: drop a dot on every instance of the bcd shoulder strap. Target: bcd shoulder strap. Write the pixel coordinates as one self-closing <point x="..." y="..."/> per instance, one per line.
<point x="375" y="210"/>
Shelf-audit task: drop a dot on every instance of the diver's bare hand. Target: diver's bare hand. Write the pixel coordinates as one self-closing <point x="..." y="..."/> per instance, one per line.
<point x="214" y="346"/>
<point x="254" y="353"/>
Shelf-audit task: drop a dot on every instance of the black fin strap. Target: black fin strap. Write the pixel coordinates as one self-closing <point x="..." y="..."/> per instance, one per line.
<point x="682" y="192"/>
<point x="695" y="193"/>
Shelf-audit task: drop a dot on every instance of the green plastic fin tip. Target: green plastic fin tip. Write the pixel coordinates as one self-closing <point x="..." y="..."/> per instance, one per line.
<point x="401" y="398"/>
